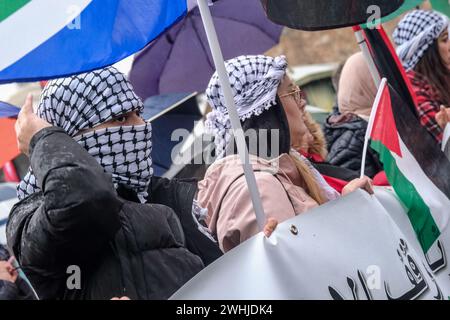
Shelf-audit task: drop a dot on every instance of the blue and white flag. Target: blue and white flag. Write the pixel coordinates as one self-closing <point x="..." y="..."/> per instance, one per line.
<point x="8" y="110"/>
<point x="43" y="39"/>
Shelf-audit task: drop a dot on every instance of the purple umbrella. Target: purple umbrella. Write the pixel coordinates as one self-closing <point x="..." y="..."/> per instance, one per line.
<point x="180" y="60"/>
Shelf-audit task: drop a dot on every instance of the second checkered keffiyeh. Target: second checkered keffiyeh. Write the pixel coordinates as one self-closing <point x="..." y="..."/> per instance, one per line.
<point x="415" y="34"/>
<point x="254" y="83"/>
<point x="87" y="100"/>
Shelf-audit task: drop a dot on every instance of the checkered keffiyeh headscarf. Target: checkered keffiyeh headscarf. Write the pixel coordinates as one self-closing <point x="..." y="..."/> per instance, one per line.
<point x="86" y="100"/>
<point x="254" y="83"/>
<point x="415" y="34"/>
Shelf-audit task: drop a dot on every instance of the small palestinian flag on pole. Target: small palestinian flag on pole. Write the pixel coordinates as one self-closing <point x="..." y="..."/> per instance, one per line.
<point x="414" y="165"/>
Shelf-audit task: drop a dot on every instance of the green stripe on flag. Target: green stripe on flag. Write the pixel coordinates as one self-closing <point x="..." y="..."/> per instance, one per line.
<point x="418" y="212"/>
<point x="8" y="7"/>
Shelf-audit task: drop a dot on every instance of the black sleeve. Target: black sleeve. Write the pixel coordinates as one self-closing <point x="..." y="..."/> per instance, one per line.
<point x="9" y="291"/>
<point x="179" y="195"/>
<point x="76" y="215"/>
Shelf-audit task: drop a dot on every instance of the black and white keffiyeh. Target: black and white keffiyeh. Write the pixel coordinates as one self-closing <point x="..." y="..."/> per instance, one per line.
<point x="415" y="34"/>
<point x="254" y="83"/>
<point x="87" y="100"/>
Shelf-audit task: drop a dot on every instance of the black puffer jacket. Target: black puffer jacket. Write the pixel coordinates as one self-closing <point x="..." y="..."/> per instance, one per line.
<point x="121" y="247"/>
<point x="179" y="195"/>
<point x="345" y="140"/>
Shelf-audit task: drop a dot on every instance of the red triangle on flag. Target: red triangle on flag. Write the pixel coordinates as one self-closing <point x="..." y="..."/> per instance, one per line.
<point x="384" y="127"/>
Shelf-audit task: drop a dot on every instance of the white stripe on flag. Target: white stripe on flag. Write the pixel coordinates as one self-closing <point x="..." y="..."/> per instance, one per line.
<point x="434" y="198"/>
<point x="34" y="24"/>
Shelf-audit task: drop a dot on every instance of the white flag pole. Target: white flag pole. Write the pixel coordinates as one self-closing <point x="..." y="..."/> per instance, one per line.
<point x="366" y="52"/>
<point x="232" y="112"/>
<point x="373" y="113"/>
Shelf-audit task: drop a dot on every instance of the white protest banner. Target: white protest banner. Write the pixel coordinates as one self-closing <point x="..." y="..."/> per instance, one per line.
<point x="350" y="248"/>
<point x="436" y="257"/>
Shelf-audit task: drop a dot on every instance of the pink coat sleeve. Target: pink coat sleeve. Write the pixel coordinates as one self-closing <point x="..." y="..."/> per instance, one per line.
<point x="237" y="220"/>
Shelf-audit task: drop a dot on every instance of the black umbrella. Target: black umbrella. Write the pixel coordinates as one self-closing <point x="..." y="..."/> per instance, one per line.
<point x="326" y="14"/>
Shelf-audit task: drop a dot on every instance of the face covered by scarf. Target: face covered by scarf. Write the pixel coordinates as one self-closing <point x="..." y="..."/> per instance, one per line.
<point x="87" y="100"/>
<point x="254" y="83"/>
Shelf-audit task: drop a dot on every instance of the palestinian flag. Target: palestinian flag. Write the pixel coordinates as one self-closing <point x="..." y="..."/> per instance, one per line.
<point x="415" y="167"/>
<point x="43" y="39"/>
<point x="442" y="6"/>
<point x="414" y="163"/>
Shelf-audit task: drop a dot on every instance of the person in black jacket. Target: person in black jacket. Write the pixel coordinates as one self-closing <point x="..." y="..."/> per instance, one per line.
<point x="346" y="127"/>
<point x="345" y="137"/>
<point x="84" y="228"/>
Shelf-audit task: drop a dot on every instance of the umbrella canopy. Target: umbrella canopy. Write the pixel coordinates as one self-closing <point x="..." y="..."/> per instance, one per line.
<point x="180" y="59"/>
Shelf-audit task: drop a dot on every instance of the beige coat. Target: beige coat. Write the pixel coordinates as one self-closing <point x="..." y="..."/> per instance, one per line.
<point x="225" y="194"/>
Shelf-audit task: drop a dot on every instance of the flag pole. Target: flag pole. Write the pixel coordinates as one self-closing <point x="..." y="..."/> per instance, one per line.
<point x="373" y="113"/>
<point x="232" y="112"/>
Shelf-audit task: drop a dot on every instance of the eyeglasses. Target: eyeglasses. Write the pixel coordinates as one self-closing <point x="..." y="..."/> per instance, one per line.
<point x="298" y="95"/>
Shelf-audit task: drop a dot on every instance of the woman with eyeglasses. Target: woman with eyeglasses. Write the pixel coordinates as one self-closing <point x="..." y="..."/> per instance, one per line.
<point x="271" y="110"/>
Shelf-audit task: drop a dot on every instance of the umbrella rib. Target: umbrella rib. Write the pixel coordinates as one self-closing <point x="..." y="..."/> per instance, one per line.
<point x="205" y="49"/>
